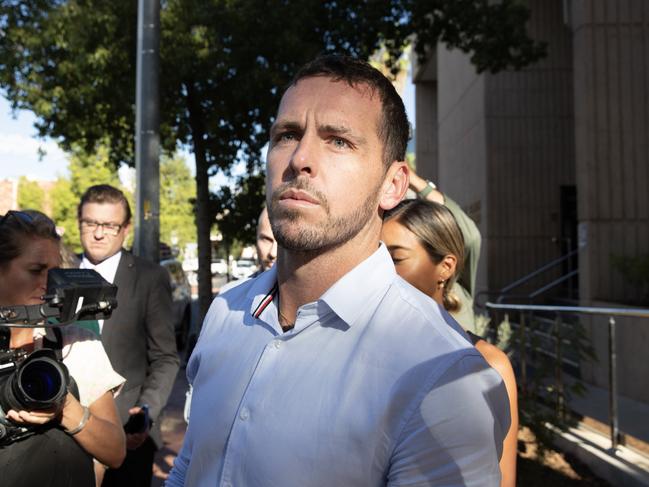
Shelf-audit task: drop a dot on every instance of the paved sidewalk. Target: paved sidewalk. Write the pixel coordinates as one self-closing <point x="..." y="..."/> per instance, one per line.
<point x="173" y="431"/>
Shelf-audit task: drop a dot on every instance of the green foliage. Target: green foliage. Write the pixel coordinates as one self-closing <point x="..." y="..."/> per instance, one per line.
<point x="223" y="66"/>
<point x="223" y="63"/>
<point x="177" y="196"/>
<point x="237" y="211"/>
<point x="494" y="34"/>
<point x="30" y="195"/>
<point x="636" y="271"/>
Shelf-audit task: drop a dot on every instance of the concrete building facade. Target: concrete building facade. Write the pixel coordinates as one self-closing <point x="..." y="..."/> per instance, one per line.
<point x="553" y="157"/>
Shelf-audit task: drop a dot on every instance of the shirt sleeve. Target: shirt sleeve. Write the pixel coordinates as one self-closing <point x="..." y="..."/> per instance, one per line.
<point x="87" y="362"/>
<point x="455" y="436"/>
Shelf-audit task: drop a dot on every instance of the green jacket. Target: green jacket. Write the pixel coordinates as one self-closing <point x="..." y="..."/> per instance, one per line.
<point x="464" y="287"/>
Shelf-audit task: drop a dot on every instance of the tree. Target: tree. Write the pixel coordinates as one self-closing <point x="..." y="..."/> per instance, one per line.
<point x="177" y="193"/>
<point x="30" y="195"/>
<point x="223" y="66"/>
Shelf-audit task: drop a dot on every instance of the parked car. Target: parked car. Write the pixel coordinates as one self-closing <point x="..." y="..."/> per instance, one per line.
<point x="219" y="267"/>
<point x="243" y="268"/>
<point x="181" y="294"/>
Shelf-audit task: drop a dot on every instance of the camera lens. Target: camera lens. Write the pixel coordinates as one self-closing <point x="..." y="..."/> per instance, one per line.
<point x="41" y="380"/>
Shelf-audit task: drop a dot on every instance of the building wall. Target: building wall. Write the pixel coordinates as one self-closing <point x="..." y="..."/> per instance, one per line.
<point x="8" y="195"/>
<point x="426" y="146"/>
<point x="462" y="140"/>
<point x="530" y="154"/>
<point x="509" y="142"/>
<point x="611" y="65"/>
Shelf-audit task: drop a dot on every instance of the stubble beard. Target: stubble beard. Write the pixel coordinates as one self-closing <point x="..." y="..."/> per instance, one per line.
<point x="294" y="234"/>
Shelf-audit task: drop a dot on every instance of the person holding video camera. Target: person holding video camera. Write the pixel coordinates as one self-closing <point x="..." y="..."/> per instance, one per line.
<point x="60" y="441"/>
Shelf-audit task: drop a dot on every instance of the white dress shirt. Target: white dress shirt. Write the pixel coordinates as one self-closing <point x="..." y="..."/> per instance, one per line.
<point x="106" y="268"/>
<point x="375" y="385"/>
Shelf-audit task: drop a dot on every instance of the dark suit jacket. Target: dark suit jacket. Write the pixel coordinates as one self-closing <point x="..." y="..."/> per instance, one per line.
<point x="139" y="338"/>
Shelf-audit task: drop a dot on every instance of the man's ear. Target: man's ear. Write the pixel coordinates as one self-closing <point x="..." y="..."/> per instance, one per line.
<point x="394" y="185"/>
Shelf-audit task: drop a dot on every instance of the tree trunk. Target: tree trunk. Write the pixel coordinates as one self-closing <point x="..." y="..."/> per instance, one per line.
<point x="203" y="216"/>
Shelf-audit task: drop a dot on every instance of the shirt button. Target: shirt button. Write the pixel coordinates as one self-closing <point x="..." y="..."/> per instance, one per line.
<point x="277" y="344"/>
<point x="244" y="414"/>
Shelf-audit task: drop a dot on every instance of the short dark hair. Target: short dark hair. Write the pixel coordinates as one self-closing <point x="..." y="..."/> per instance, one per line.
<point x="17" y="227"/>
<point x="105" y="193"/>
<point x="393" y="128"/>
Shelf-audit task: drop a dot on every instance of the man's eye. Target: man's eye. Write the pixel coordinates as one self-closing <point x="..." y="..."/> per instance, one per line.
<point x="111" y="226"/>
<point x="286" y="137"/>
<point x="339" y="143"/>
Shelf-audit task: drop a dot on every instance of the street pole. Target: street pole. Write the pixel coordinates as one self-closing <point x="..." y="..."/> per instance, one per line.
<point x="147" y="132"/>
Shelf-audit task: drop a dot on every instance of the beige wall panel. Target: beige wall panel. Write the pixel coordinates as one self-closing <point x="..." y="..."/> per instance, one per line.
<point x="612" y="156"/>
<point x="461" y="130"/>
<point x="426" y="148"/>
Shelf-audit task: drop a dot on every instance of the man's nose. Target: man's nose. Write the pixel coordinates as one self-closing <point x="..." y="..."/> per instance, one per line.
<point x="304" y="159"/>
<point x="273" y="251"/>
<point x="99" y="231"/>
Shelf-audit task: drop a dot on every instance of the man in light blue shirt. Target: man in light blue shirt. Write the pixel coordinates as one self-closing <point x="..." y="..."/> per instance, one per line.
<point x="329" y="369"/>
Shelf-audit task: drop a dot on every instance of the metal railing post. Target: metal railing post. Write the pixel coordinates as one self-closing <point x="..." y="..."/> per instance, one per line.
<point x="523" y="352"/>
<point x="612" y="380"/>
<point x="559" y="368"/>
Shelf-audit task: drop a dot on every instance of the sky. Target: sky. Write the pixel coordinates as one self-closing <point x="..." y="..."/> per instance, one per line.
<point x="19" y="146"/>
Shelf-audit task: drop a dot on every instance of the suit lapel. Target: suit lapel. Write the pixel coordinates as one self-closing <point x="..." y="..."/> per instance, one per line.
<point x="125" y="280"/>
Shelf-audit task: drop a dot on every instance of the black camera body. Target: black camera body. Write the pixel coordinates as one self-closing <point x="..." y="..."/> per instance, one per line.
<point x="40" y="381"/>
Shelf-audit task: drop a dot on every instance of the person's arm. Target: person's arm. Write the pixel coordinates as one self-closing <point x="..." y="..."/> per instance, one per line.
<point x="418" y="184"/>
<point x="100" y="433"/>
<point x="498" y="360"/>
<point x="162" y="356"/>
<point x="103" y="435"/>
<point x="454" y="437"/>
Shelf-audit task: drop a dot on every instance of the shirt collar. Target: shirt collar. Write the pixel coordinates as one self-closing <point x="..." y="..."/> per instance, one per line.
<point x="370" y="279"/>
<point x="107" y="268"/>
<point x="347" y="297"/>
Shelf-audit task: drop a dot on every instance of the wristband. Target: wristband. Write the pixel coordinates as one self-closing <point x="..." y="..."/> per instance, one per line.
<point x="430" y="186"/>
<point x="82" y="423"/>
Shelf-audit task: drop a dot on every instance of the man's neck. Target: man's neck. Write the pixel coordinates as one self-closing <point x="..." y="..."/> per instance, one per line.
<point x="305" y="276"/>
<point x="100" y="261"/>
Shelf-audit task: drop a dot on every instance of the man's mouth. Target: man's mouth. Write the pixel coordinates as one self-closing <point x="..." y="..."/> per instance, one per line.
<point x="298" y="195"/>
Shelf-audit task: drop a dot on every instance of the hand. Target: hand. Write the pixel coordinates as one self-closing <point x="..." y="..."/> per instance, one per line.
<point x="416" y="183"/>
<point x="135" y="440"/>
<point x="43" y="416"/>
<point x="31" y="417"/>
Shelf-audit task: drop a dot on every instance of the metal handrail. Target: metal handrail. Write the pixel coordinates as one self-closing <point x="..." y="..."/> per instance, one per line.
<point x="504" y="292"/>
<point x="612" y="348"/>
<point x="590" y="310"/>
<point x="538" y="271"/>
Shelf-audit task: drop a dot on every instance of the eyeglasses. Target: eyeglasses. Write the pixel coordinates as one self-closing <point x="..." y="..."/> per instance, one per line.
<point x="111" y="229"/>
<point x="21" y="216"/>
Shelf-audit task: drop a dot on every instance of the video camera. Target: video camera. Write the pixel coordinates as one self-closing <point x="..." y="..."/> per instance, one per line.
<point x="39" y="380"/>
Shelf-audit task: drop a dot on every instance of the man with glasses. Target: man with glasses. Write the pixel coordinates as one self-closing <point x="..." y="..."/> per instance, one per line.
<point x="139" y="336"/>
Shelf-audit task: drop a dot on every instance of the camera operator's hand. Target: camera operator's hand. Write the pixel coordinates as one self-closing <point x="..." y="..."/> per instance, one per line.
<point x="31" y="417"/>
<point x="135" y="440"/>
